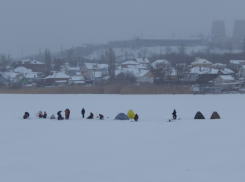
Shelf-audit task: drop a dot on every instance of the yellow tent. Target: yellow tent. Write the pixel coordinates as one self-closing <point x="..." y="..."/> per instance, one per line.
<point x="131" y="114"/>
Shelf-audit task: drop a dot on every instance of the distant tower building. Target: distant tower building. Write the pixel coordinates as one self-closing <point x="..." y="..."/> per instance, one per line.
<point x="218" y="29"/>
<point x="239" y="30"/>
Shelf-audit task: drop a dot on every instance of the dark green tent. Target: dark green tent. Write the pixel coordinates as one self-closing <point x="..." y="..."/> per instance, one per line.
<point x="199" y="115"/>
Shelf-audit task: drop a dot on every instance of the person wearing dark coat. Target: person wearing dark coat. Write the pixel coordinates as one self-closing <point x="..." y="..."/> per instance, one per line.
<point x="44" y="114"/>
<point x="26" y="115"/>
<point x="83" y="112"/>
<point x="67" y="113"/>
<point x="136" y="117"/>
<point x="174" y="114"/>
<point x="59" y="115"/>
<point x="91" y="116"/>
<point x="101" y="116"/>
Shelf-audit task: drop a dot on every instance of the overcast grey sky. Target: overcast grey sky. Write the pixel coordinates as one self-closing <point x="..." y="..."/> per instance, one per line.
<point x="34" y="24"/>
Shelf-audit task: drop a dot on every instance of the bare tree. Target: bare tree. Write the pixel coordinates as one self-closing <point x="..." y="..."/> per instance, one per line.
<point x="4" y="61"/>
<point x="57" y="63"/>
<point x="111" y="63"/>
<point x="47" y="62"/>
<point x="71" y="59"/>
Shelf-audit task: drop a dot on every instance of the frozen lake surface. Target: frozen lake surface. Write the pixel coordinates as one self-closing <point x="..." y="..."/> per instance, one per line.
<point x="150" y="150"/>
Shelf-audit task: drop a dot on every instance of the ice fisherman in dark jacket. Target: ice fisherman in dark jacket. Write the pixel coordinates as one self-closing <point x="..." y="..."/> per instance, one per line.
<point x="83" y="112"/>
<point x="136" y="117"/>
<point x="101" y="116"/>
<point x="59" y="115"/>
<point x="45" y="114"/>
<point x="174" y="114"/>
<point x="91" y="116"/>
<point x="26" y="115"/>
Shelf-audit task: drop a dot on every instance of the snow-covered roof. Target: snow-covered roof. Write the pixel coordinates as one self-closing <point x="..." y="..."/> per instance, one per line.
<point x="201" y="61"/>
<point x="73" y="68"/>
<point x="227" y="71"/>
<point x="162" y="61"/>
<point x="30" y="61"/>
<point x="31" y="75"/>
<point x="58" y="75"/>
<point x="237" y="61"/>
<point x="10" y="75"/>
<point x="142" y="60"/>
<point x="105" y="77"/>
<point x="219" y="64"/>
<point x="136" y="72"/>
<point x="77" y="78"/>
<point x="203" y="70"/>
<point x="226" y="77"/>
<point x="131" y="62"/>
<point x="79" y="82"/>
<point x="22" y="70"/>
<point x="96" y="66"/>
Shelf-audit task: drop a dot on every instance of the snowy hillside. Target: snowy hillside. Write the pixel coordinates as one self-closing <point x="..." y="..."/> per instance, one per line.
<point x="109" y="150"/>
<point x="123" y="54"/>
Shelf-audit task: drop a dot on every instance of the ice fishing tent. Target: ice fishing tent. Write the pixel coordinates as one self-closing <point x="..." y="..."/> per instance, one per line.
<point x="199" y="115"/>
<point x="52" y="117"/>
<point x="215" y="115"/>
<point x="122" y="116"/>
<point x="131" y="114"/>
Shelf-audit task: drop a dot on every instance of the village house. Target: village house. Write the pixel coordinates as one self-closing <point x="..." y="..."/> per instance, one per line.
<point x="35" y="66"/>
<point x="225" y="81"/>
<point x="201" y="63"/>
<point x="204" y="74"/>
<point x="219" y="66"/>
<point x="128" y="64"/>
<point x="14" y="78"/>
<point x="137" y="75"/>
<point x="76" y="80"/>
<point x="241" y="71"/>
<point x="59" y="77"/>
<point x="143" y="61"/>
<point x="236" y="64"/>
<point x="160" y="64"/>
<point x="29" y="74"/>
<point x="72" y="71"/>
<point x="90" y="70"/>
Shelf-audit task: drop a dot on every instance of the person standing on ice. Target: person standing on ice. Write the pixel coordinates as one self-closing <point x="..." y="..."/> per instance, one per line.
<point x="83" y="112"/>
<point x="136" y="117"/>
<point x="174" y="114"/>
<point x="67" y="113"/>
<point x="45" y="114"/>
<point x="40" y="114"/>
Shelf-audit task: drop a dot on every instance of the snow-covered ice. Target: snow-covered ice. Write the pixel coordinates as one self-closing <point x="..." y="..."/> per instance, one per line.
<point x="151" y="150"/>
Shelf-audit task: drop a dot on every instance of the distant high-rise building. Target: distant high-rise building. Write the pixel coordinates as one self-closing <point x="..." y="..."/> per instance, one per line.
<point x="239" y="30"/>
<point x="218" y="29"/>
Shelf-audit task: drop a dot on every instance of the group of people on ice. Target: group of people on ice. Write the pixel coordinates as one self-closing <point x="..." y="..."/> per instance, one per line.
<point x="91" y="116"/>
<point x="60" y="117"/>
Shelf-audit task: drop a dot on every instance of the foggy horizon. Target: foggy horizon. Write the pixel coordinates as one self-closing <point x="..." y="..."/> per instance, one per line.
<point x="28" y="26"/>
